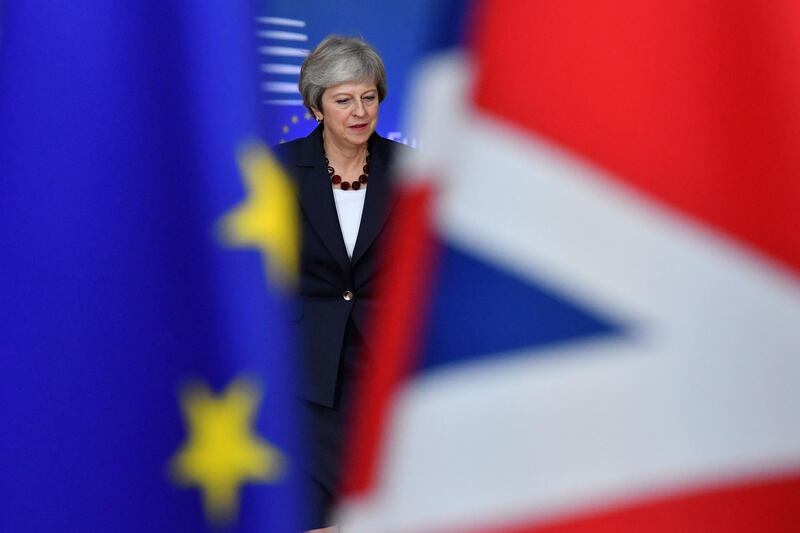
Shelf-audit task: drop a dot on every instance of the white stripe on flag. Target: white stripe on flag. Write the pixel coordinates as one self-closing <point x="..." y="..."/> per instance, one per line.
<point x="280" y="87"/>
<point x="283" y="51"/>
<point x="279" y="68"/>
<point x="280" y="21"/>
<point x="283" y="35"/>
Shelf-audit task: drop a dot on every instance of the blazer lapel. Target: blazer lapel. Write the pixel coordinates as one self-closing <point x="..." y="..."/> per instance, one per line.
<point x="316" y="198"/>
<point x="379" y="200"/>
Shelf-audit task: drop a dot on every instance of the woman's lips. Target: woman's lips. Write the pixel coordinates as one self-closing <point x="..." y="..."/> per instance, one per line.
<point x="358" y="127"/>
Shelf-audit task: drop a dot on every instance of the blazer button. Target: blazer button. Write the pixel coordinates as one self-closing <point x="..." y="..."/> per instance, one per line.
<point x="348" y="295"/>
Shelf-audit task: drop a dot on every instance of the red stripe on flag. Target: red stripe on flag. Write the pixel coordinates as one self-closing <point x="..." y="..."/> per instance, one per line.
<point x="396" y="334"/>
<point x="769" y="506"/>
<point x="694" y="103"/>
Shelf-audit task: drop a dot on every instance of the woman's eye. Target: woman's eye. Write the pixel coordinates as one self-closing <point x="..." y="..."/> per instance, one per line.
<point x="341" y="101"/>
<point x="369" y="98"/>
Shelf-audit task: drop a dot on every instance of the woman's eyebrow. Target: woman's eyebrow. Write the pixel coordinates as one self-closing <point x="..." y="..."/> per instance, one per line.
<point x="351" y="94"/>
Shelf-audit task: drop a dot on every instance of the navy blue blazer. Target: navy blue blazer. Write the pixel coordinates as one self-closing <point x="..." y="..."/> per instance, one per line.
<point x="328" y="277"/>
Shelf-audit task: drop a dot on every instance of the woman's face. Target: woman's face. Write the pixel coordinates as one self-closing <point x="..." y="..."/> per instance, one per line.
<point x="349" y="112"/>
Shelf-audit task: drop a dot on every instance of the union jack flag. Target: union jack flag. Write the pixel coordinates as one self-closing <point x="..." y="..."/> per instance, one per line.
<point x="596" y="287"/>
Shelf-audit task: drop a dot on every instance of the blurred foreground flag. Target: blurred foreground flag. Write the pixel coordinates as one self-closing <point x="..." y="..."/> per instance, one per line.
<point x="148" y="244"/>
<point x="605" y="217"/>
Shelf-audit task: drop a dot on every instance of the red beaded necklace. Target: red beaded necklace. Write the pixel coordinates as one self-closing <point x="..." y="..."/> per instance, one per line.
<point x="347" y="185"/>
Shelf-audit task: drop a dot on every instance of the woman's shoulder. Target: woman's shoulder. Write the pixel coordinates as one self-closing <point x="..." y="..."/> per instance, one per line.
<point x="297" y="153"/>
<point x="288" y="151"/>
<point x="390" y="150"/>
<point x="302" y="150"/>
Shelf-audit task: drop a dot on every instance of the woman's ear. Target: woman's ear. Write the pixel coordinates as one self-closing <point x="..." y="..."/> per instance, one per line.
<point x="317" y="114"/>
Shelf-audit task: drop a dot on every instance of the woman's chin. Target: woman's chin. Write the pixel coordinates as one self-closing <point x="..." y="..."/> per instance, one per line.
<point x="358" y="139"/>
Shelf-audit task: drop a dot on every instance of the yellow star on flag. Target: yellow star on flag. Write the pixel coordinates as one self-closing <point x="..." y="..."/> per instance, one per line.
<point x="267" y="218"/>
<point x="222" y="450"/>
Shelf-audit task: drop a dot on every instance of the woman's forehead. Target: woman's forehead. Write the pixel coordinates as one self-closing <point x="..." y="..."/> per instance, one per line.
<point x="354" y="87"/>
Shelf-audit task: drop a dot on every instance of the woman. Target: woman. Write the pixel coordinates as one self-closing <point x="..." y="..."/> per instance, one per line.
<point x="341" y="171"/>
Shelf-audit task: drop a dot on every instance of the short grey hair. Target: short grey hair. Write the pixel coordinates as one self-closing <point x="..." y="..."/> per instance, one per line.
<point x="338" y="60"/>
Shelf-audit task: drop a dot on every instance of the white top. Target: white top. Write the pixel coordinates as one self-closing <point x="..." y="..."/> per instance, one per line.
<point x="349" y="206"/>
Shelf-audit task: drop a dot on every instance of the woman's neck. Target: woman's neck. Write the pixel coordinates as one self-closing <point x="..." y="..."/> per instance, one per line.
<point x="345" y="159"/>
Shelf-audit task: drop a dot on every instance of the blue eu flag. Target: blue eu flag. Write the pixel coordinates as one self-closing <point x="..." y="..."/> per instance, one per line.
<point x="148" y="249"/>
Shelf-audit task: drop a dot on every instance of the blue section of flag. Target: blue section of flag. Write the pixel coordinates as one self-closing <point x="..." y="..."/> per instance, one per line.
<point x="119" y="125"/>
<point x="402" y="32"/>
<point x="480" y="310"/>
